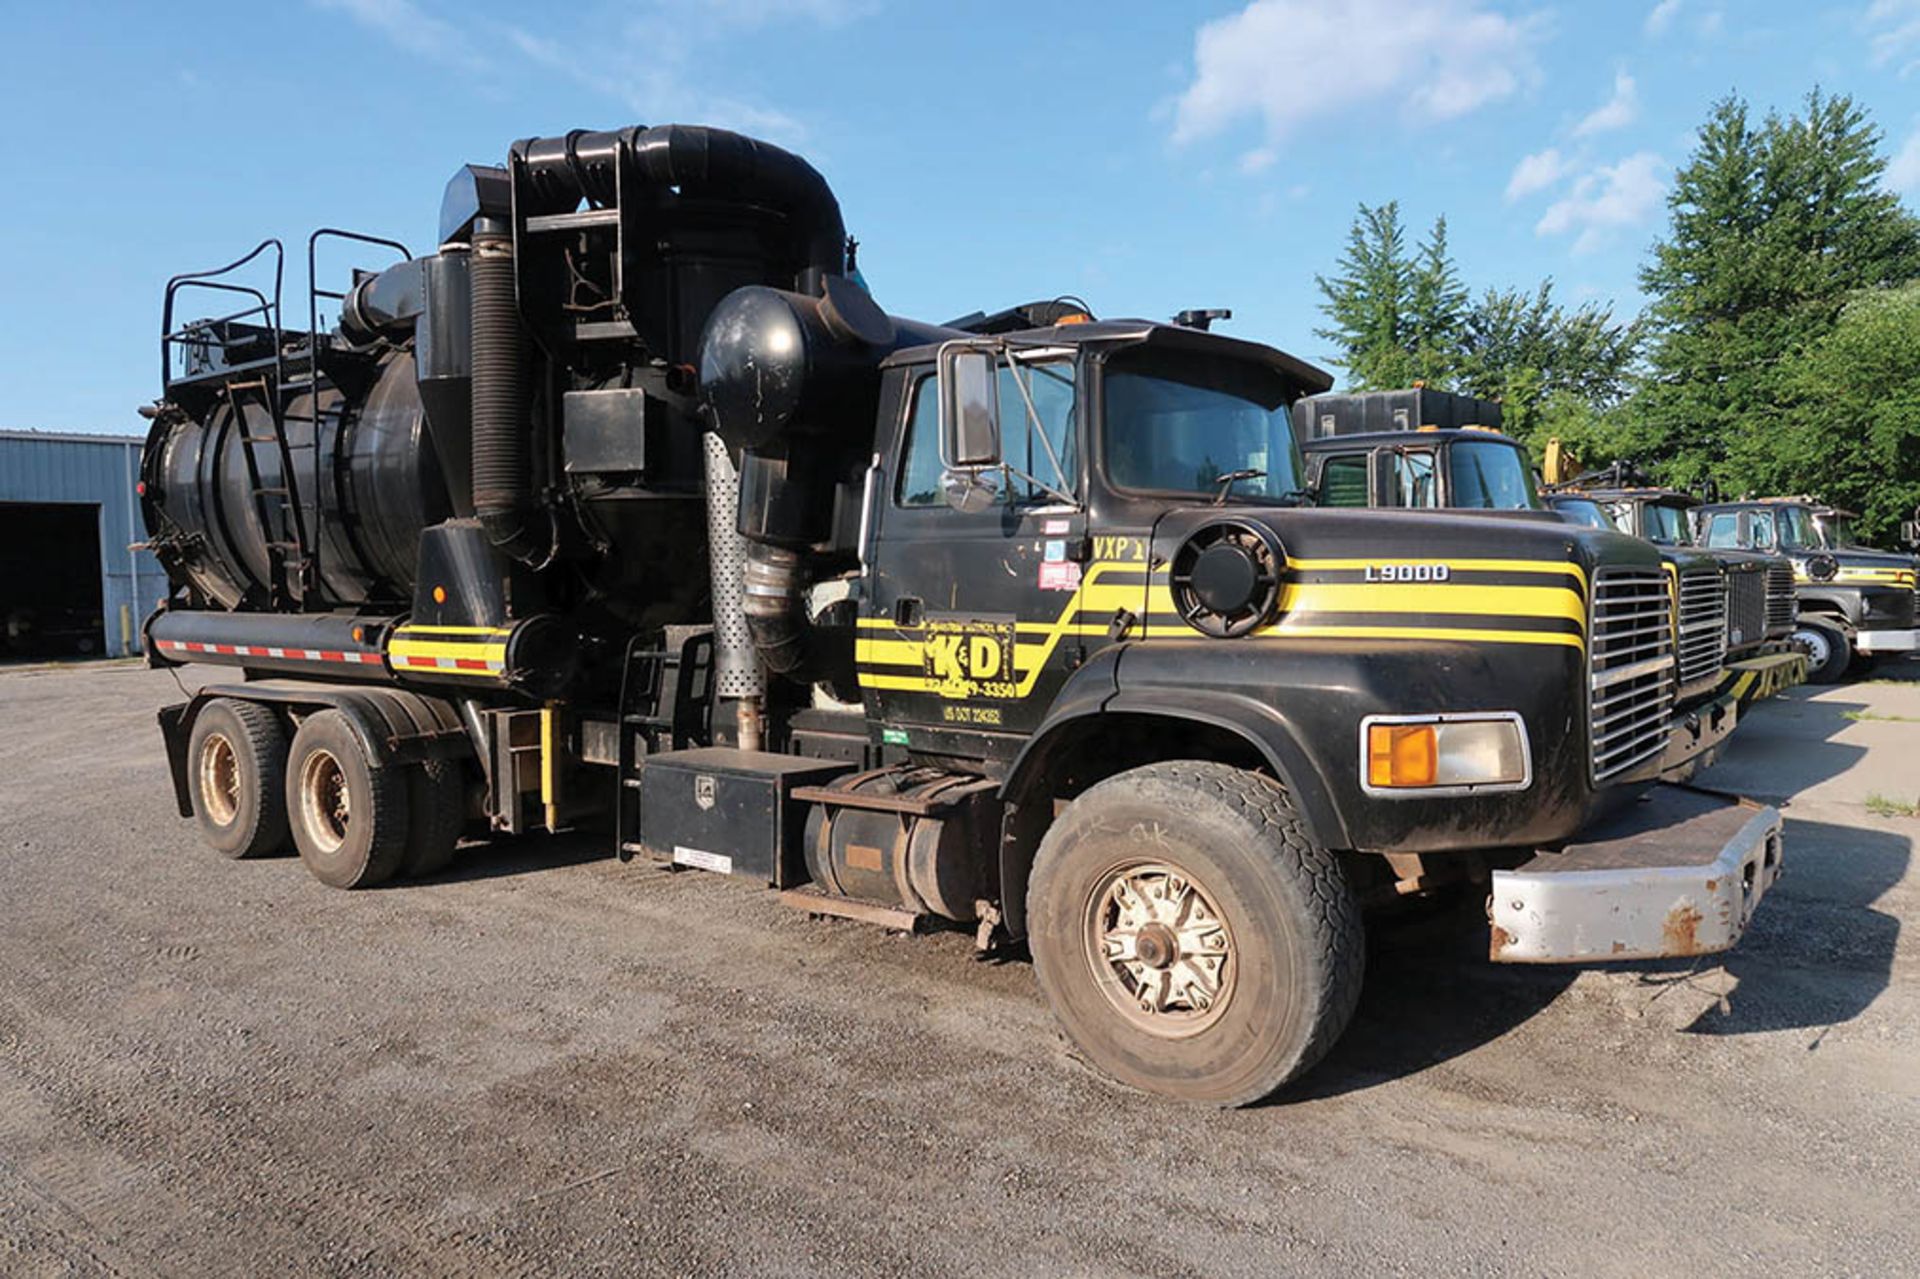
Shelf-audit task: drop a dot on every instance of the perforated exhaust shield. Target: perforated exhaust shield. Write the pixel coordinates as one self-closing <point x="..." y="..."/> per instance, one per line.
<point x="737" y="668"/>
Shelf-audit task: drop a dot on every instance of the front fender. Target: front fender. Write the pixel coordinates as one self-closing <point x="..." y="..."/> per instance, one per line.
<point x="1841" y="601"/>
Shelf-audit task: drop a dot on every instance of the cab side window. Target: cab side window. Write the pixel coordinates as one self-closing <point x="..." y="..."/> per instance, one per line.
<point x="1343" y="481"/>
<point x="1050" y="383"/>
<point x="1723" y="530"/>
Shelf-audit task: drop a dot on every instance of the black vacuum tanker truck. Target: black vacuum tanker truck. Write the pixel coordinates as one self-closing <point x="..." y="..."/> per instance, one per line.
<point x="628" y="509"/>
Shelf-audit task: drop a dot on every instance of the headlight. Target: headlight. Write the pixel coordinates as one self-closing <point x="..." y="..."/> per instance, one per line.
<point x="1409" y="755"/>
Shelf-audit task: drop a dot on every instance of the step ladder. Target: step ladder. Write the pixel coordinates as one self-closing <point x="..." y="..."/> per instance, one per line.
<point x="666" y="704"/>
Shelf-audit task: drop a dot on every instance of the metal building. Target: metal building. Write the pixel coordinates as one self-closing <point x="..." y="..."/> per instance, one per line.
<point x="70" y="581"/>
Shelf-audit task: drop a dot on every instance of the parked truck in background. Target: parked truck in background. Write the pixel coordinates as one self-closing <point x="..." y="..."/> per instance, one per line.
<point x="629" y="509"/>
<point x="1756" y="588"/>
<point x="1732" y="617"/>
<point x="1854" y="604"/>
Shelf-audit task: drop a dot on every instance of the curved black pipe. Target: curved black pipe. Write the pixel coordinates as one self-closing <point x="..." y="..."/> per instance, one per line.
<point x="701" y="162"/>
<point x="502" y="428"/>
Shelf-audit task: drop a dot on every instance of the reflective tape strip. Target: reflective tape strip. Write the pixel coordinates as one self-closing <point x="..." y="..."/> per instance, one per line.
<point x="270" y="651"/>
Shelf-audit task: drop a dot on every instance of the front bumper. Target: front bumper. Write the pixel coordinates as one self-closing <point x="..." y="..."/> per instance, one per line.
<point x="1695" y="735"/>
<point x="1758" y="678"/>
<point x="1680" y="873"/>
<point x="1906" y="641"/>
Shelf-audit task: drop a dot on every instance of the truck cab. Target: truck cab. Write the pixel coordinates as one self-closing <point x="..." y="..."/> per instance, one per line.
<point x="1854" y="604"/>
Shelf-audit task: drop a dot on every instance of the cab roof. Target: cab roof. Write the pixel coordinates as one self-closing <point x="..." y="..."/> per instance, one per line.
<point x="1412" y="438"/>
<point x="1645" y="493"/>
<point x="1307" y="379"/>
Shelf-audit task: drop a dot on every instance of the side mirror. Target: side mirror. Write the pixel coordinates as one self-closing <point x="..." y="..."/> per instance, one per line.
<point x="969" y="407"/>
<point x="1910" y="532"/>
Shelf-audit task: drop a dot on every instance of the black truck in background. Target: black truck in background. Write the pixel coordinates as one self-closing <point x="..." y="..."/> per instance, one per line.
<point x="1856" y="605"/>
<point x="1733" y="609"/>
<point x="628" y="509"/>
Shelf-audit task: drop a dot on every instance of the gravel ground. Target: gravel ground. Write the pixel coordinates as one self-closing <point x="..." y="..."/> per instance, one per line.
<point x="546" y="1062"/>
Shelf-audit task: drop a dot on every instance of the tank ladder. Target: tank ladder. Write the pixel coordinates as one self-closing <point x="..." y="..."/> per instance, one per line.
<point x="244" y="374"/>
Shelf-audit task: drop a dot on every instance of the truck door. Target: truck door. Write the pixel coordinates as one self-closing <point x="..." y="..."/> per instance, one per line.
<point x="967" y="625"/>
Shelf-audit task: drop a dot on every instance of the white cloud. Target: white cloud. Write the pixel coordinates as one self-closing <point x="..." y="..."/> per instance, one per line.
<point x="1893" y="33"/>
<point x="1258" y="160"/>
<point x="412" y="28"/>
<point x="1537" y="172"/>
<point x="1439" y="59"/>
<point x="1660" y="17"/>
<point x="1607" y="199"/>
<point x="1616" y="112"/>
<point x="658" y="62"/>
<point x="649" y="78"/>
<point x="1903" y="171"/>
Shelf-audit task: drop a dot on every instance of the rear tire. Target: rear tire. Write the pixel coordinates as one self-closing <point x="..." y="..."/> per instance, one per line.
<point x="1829" y="651"/>
<point x="437" y="798"/>
<point x="236" y="777"/>
<point x="1191" y="937"/>
<point x="349" y="818"/>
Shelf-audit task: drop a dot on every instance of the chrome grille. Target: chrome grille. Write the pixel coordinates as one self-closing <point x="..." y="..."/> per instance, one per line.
<point x="1703" y="623"/>
<point x="1779" y="599"/>
<point x="1630" y="665"/>
<point x="1746" y="607"/>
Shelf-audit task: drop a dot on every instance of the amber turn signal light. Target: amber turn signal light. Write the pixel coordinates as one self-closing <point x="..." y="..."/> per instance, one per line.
<point x="1402" y="754"/>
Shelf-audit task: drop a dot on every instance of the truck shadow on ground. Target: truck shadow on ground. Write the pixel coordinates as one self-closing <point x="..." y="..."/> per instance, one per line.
<point x="1784" y="746"/>
<point x="1431" y="995"/>
<point x="504" y="855"/>
<point x="1817" y="954"/>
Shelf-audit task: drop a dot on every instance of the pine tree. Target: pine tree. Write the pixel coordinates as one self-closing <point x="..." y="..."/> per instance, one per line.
<point x="1771" y="228"/>
<point x="1525" y="350"/>
<point x="1395" y="318"/>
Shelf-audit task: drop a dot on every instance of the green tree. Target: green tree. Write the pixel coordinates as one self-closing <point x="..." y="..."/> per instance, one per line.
<point x="1525" y="350"/>
<point x="1395" y="317"/>
<point x="1850" y="430"/>
<point x="1772" y="227"/>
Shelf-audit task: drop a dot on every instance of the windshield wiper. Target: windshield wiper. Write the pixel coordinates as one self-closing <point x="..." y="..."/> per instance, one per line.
<point x="1231" y="478"/>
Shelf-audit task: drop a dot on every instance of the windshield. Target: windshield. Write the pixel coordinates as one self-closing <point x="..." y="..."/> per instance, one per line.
<point x="1795" y="529"/>
<point x="1581" y="510"/>
<point x="1664" y="525"/>
<point x="1833" y="530"/>
<point x="1179" y="423"/>
<point x="1490" y="476"/>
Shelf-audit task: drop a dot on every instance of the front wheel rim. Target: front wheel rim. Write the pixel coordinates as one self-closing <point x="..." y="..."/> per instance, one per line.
<point x="1819" y="650"/>
<point x="1160" y="949"/>
<point x="325" y="804"/>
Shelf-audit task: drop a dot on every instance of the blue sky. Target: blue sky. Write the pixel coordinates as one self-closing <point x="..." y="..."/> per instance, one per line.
<point x="1146" y="156"/>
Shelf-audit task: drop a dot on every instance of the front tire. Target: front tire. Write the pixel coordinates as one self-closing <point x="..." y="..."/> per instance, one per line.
<point x="1191" y="937"/>
<point x="1829" y="650"/>
<point x="349" y="817"/>
<point x="236" y="774"/>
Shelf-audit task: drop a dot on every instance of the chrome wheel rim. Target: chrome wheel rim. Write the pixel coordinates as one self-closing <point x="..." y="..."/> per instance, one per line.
<point x="1160" y="950"/>
<point x="1818" y="649"/>
<point x="219" y="779"/>
<point x="325" y="807"/>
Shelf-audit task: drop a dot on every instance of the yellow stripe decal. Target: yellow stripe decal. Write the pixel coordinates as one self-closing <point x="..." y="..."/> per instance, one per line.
<point x="1300" y="602"/>
<point x="410" y="629"/>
